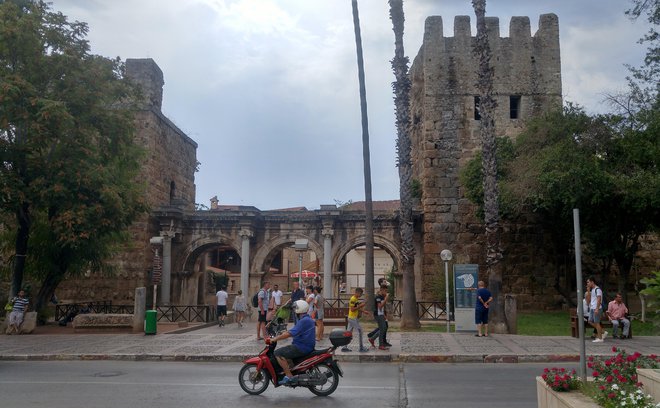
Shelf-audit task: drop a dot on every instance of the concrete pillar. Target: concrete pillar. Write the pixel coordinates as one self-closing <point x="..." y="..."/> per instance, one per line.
<point x="139" y="308"/>
<point x="245" y="235"/>
<point x="167" y="268"/>
<point x="328" y="287"/>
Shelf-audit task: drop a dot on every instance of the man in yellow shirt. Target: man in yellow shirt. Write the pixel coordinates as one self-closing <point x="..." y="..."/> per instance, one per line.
<point x="355" y="306"/>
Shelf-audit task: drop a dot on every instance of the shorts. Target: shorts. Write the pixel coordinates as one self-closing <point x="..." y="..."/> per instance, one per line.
<point x="221" y="310"/>
<point x="593" y="317"/>
<point x="289" y="352"/>
<point x="262" y="316"/>
<point x="481" y="316"/>
<point x="319" y="315"/>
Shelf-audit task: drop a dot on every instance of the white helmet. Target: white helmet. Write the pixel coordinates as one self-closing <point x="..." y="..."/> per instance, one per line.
<point x="300" y="306"/>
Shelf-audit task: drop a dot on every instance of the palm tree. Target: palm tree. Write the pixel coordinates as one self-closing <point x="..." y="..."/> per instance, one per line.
<point x="401" y="87"/>
<point x="368" y="203"/>
<point x="487" y="106"/>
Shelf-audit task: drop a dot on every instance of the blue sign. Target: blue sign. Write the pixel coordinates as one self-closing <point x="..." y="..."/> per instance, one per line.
<point x="465" y="285"/>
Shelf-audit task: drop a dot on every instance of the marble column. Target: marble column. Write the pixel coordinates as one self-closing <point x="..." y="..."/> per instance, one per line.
<point x="245" y="235"/>
<point x="165" y="285"/>
<point x="328" y="288"/>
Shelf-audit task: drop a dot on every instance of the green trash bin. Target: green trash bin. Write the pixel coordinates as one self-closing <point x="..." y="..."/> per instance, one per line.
<point x="150" y="325"/>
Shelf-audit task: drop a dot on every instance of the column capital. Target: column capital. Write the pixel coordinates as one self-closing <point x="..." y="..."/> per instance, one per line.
<point x="167" y="235"/>
<point x="245" y="233"/>
<point x="327" y="232"/>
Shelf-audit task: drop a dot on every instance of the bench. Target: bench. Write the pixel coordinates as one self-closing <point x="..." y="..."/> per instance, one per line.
<point x="335" y="316"/>
<point x="102" y="321"/>
<point x="604" y="323"/>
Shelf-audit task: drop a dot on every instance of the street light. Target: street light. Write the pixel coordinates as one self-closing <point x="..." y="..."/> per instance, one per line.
<point x="300" y="246"/>
<point x="446" y="256"/>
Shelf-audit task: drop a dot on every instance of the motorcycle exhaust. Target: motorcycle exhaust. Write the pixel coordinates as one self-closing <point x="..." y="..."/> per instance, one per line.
<point x="304" y="380"/>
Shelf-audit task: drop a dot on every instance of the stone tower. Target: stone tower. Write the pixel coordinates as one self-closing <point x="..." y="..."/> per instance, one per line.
<point x="527" y="81"/>
<point x="168" y="171"/>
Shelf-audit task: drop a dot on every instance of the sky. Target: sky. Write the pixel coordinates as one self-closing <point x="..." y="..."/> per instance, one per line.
<point x="269" y="88"/>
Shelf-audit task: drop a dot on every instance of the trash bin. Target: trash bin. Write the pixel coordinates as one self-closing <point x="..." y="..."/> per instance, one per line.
<point x="150" y="325"/>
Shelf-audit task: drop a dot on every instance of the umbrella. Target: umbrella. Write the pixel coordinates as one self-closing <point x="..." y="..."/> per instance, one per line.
<point x="305" y="274"/>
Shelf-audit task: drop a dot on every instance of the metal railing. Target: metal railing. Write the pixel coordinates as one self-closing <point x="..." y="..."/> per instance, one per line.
<point x="173" y="313"/>
<point x="425" y="310"/>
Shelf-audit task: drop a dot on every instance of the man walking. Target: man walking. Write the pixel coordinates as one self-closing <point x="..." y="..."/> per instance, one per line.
<point x="262" y="310"/>
<point x="617" y="312"/>
<point x="595" y="299"/>
<point x="355" y="306"/>
<point x="221" y="309"/>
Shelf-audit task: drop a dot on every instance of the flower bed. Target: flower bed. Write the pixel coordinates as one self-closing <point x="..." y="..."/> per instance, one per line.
<point x="615" y="384"/>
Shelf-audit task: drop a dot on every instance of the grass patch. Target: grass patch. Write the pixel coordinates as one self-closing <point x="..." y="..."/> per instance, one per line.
<point x="558" y="324"/>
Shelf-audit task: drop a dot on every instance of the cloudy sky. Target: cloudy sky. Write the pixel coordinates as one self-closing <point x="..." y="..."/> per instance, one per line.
<point x="269" y="91"/>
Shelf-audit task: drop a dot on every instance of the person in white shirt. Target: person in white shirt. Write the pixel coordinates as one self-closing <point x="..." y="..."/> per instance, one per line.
<point x="277" y="296"/>
<point x="222" y="306"/>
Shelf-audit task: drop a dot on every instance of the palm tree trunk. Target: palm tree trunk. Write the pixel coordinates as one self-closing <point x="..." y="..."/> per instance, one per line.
<point x="487" y="106"/>
<point x="369" y="220"/>
<point x="401" y="87"/>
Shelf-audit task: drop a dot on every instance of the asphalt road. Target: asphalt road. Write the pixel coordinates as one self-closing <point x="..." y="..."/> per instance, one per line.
<point x="112" y="384"/>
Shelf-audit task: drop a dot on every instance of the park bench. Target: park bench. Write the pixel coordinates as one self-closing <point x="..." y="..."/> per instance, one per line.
<point x="604" y="323"/>
<point x="335" y="316"/>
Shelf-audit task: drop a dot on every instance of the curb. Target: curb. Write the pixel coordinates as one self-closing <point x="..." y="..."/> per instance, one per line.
<point x="384" y="358"/>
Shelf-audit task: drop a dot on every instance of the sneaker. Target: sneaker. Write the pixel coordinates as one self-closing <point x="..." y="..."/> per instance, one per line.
<point x="383" y="347"/>
<point x="346" y="349"/>
<point x="597" y="341"/>
<point x="363" y="349"/>
<point x="285" y="380"/>
<point x="373" y="342"/>
<point x="604" y="335"/>
<point x="387" y="344"/>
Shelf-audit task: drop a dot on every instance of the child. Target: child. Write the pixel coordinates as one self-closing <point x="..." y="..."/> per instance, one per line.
<point x="355" y="306"/>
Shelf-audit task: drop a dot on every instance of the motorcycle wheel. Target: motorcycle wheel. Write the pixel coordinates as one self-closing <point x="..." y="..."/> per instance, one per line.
<point x="323" y="370"/>
<point x="252" y="380"/>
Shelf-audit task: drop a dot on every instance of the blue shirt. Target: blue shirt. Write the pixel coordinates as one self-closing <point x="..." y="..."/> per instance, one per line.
<point x="304" y="334"/>
<point x="297" y="295"/>
<point x="484" y="294"/>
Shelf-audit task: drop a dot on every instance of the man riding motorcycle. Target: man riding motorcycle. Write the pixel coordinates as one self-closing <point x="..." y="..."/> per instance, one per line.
<point x="304" y="340"/>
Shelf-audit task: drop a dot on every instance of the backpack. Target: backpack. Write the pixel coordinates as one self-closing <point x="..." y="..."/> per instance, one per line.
<point x="255" y="300"/>
<point x="604" y="301"/>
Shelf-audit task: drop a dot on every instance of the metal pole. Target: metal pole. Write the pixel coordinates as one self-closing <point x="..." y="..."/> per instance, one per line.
<point x="155" y="292"/>
<point x="447" y="294"/>
<point x="578" y="277"/>
<point x="300" y="256"/>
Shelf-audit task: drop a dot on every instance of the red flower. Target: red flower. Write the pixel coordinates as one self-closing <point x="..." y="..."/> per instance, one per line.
<point x="611" y="395"/>
<point x="595" y="374"/>
<point x="609" y="379"/>
<point x="602" y="388"/>
<point x="614" y="349"/>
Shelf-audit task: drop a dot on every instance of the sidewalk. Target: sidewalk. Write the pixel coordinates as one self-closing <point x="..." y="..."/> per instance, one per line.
<point x="231" y="343"/>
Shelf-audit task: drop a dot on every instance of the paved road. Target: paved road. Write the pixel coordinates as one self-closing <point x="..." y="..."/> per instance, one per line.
<point x="99" y="384"/>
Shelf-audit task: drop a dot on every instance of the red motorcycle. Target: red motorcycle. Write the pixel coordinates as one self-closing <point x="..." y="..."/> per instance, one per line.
<point x="318" y="371"/>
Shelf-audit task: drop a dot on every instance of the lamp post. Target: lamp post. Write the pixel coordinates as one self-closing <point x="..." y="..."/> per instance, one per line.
<point x="300" y="246"/>
<point x="446" y="256"/>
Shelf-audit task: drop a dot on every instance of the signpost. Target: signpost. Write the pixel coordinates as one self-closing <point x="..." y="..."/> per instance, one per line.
<point x="465" y="296"/>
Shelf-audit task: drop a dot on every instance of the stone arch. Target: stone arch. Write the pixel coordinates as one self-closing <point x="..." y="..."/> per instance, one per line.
<point x="200" y="245"/>
<point x="189" y="284"/>
<point x="266" y="250"/>
<point x="379" y="240"/>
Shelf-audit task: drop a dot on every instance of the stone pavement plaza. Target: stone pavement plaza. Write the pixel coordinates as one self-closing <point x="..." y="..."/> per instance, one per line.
<point x="231" y="343"/>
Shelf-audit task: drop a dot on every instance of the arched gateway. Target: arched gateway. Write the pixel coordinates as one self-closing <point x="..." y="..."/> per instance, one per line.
<point x="246" y="242"/>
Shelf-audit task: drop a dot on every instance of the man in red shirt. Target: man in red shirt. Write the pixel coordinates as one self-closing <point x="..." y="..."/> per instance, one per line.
<point x="617" y="312"/>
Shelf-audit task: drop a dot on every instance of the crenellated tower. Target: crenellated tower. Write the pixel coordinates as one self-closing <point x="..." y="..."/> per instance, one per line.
<point x="527" y="82"/>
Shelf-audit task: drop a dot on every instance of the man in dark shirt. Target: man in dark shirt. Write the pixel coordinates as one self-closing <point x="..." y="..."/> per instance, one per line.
<point x="484" y="298"/>
<point x="296" y="294"/>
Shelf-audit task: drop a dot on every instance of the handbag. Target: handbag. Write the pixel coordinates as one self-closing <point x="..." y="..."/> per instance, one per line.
<point x="9" y="306"/>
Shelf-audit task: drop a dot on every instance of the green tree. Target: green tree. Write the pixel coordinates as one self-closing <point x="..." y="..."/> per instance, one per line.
<point x="401" y="87"/>
<point x="66" y="142"/>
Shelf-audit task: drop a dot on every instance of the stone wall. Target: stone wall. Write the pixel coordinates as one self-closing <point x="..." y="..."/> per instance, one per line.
<point x="168" y="172"/>
<point x="446" y="136"/>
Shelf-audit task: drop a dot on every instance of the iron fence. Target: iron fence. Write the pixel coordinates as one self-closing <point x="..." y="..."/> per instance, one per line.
<point x="173" y="313"/>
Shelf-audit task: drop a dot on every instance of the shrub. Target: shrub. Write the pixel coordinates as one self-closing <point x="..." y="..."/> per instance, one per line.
<point x="559" y="379"/>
